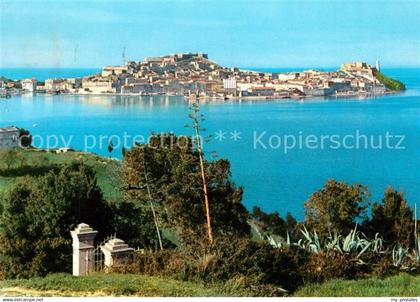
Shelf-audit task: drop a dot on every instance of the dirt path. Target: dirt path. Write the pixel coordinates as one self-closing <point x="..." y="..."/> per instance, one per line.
<point x="27" y="292"/>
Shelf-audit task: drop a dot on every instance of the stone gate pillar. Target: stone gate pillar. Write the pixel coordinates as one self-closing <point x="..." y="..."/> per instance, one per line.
<point x="83" y="237"/>
<point x="116" y="252"/>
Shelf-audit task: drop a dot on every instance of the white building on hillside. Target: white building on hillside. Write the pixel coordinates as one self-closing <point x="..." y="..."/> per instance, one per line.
<point x="29" y="85"/>
<point x="229" y="83"/>
<point x="9" y="138"/>
<point x="230" y="86"/>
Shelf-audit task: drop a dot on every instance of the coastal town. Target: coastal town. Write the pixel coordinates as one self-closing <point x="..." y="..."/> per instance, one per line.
<point x="194" y="75"/>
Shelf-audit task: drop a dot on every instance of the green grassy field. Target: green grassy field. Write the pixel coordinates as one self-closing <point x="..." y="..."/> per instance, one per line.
<point x="402" y="285"/>
<point x="106" y="285"/>
<point x="138" y="285"/>
<point x="106" y="170"/>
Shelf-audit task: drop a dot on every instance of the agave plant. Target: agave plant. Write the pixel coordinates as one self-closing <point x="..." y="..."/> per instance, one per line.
<point x="333" y="242"/>
<point x="398" y="255"/>
<point x="416" y="237"/>
<point x="377" y="244"/>
<point x="278" y="243"/>
<point x="274" y="242"/>
<point x="352" y="243"/>
<point x="310" y="242"/>
<point x="257" y="231"/>
<point x="414" y="256"/>
<point x="416" y="252"/>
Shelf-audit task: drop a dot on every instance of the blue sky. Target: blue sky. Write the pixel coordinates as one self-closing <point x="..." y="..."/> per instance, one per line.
<point x="234" y="33"/>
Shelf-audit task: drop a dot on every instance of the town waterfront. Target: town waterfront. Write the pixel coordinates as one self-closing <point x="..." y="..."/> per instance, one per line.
<point x="272" y="178"/>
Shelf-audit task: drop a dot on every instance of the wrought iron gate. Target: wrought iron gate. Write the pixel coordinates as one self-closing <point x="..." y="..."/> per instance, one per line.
<point x="97" y="256"/>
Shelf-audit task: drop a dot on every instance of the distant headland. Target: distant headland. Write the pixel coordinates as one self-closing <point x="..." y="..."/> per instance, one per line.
<point x="194" y="75"/>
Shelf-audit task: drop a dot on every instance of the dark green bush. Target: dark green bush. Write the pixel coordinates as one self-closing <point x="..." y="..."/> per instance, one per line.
<point x="150" y="263"/>
<point x="393" y="219"/>
<point x="383" y="267"/>
<point x="332" y="265"/>
<point x="251" y="259"/>
<point x="265" y="269"/>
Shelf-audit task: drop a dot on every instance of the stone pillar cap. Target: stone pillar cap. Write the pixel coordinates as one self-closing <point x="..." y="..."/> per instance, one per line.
<point x="84" y="228"/>
<point x="116" y="245"/>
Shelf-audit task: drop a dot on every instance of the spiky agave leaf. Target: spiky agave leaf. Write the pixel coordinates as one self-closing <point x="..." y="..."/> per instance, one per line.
<point x="378" y="244"/>
<point x="398" y="255"/>
<point x="347" y="242"/>
<point x="306" y="233"/>
<point x="317" y="243"/>
<point x="363" y="250"/>
<point x="273" y="241"/>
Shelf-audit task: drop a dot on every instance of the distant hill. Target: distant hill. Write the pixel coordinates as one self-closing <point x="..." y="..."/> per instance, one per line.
<point x="4" y="79"/>
<point x="390" y="83"/>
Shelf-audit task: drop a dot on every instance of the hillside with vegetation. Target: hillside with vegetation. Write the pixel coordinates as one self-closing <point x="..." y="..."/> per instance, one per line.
<point x="33" y="162"/>
<point x="390" y="83"/>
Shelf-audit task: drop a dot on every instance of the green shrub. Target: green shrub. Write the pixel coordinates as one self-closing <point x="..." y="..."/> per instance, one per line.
<point x="269" y="224"/>
<point x="383" y="267"/>
<point x="257" y="260"/>
<point x="393" y="219"/>
<point x="265" y="269"/>
<point x="329" y="265"/>
<point x="150" y="263"/>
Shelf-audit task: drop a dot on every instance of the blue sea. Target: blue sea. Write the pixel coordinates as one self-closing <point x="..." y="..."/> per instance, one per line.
<point x="255" y="135"/>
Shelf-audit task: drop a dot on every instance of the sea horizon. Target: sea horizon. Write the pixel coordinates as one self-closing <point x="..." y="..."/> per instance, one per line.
<point x="43" y="73"/>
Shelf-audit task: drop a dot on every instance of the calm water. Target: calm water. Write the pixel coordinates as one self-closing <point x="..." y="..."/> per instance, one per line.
<point x="272" y="178"/>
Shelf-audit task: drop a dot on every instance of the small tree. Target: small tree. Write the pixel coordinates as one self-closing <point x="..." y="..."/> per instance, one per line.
<point x="21" y="159"/>
<point x="336" y="207"/>
<point x="174" y="177"/>
<point x="271" y="223"/>
<point x="196" y="118"/>
<point x="25" y="138"/>
<point x="291" y="221"/>
<point x="10" y="157"/>
<point x="110" y="148"/>
<point x="133" y="223"/>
